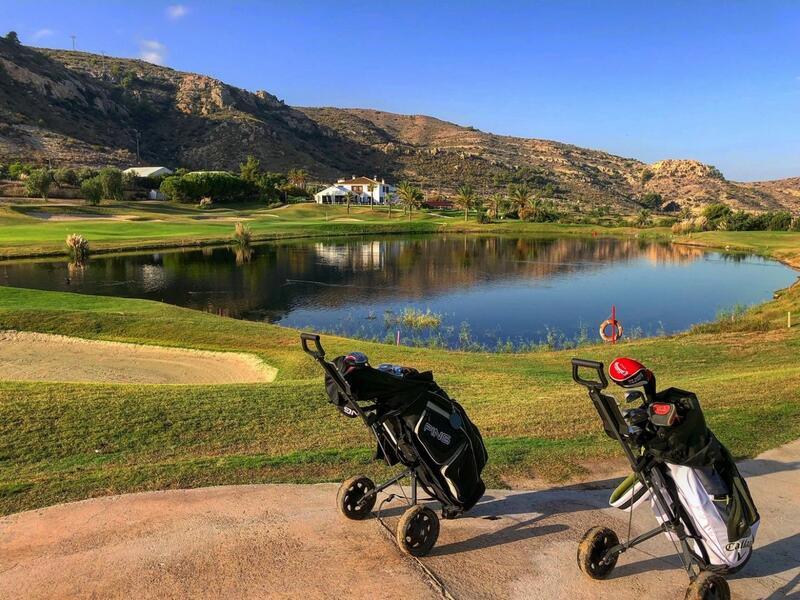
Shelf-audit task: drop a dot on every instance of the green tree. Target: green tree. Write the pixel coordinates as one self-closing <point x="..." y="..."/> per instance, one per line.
<point x="715" y="213"/>
<point x="92" y="190"/>
<point x="175" y="188"/>
<point x="16" y="169"/>
<point x="111" y="180"/>
<point x="85" y="173"/>
<point x="12" y="37"/>
<point x="297" y="177"/>
<point x="519" y="196"/>
<point x="270" y="185"/>
<point x="410" y="196"/>
<point x="250" y="169"/>
<point x="65" y="176"/>
<point x="651" y="200"/>
<point x="465" y="198"/>
<point x="38" y="183"/>
<point x="779" y="221"/>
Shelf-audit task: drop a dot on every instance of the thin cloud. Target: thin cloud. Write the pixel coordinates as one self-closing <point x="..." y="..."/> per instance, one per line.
<point x="42" y="33"/>
<point x="177" y="11"/>
<point x="153" y="51"/>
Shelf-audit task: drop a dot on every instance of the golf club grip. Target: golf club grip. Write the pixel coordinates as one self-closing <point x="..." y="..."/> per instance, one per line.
<point x="602" y="382"/>
<point x="311" y="337"/>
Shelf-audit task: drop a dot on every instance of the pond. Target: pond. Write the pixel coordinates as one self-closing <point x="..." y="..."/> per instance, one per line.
<point x="466" y="291"/>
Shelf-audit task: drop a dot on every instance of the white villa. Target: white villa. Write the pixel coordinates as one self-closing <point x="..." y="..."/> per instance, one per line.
<point x="364" y="190"/>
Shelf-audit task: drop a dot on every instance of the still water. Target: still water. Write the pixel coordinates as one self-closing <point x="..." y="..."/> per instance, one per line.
<point x="484" y="290"/>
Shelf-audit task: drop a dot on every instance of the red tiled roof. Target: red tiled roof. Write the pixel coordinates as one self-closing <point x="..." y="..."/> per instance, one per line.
<point x="359" y="181"/>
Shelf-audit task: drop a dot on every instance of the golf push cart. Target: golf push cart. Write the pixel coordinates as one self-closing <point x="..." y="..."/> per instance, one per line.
<point x="698" y="497"/>
<point x="416" y="425"/>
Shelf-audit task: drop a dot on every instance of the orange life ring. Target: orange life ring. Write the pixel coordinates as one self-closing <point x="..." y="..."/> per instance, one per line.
<point x="613" y="323"/>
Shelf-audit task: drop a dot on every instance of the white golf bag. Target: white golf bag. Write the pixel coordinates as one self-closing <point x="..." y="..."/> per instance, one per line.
<point x="704" y="508"/>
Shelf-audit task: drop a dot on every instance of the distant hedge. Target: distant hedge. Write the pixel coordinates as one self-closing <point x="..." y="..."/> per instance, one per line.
<point x="220" y="186"/>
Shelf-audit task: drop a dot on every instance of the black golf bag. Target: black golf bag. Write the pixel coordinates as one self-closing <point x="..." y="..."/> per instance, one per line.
<point x="416" y="424"/>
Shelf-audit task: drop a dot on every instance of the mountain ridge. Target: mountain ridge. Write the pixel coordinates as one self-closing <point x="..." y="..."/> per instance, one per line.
<point x="76" y="108"/>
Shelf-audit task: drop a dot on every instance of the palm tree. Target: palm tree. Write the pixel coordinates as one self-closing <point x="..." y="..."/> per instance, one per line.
<point x="496" y="203"/>
<point x="410" y="196"/>
<point x="465" y="198"/>
<point x="519" y="195"/>
<point x="643" y="218"/>
<point x="349" y="198"/>
<point x="297" y="177"/>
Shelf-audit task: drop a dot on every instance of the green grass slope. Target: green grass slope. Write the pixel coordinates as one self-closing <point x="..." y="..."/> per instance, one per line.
<point x="63" y="441"/>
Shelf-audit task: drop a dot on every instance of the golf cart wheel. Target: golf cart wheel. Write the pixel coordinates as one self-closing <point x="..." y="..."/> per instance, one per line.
<point x="593" y="547"/>
<point x="349" y="498"/>
<point x="708" y="586"/>
<point x="418" y="530"/>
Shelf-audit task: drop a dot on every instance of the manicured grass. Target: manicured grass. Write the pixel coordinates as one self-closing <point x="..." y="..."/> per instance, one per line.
<point x="62" y="442"/>
<point x="163" y="224"/>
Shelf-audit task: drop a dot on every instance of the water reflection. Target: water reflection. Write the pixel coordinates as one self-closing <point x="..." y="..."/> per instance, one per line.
<point x="503" y="288"/>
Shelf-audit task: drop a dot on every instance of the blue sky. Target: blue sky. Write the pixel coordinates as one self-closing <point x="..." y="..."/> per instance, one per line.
<point x="715" y="81"/>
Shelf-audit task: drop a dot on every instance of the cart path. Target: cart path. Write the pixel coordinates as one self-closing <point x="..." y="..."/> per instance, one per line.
<point x="287" y="541"/>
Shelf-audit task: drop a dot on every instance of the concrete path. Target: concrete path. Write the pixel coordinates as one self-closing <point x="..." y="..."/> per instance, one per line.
<point x="287" y="541"/>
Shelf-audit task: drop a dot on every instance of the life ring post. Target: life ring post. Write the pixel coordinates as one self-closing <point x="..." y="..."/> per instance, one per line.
<point x="616" y="327"/>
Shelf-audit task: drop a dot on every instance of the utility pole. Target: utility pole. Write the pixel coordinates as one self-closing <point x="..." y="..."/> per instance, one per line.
<point x="73" y="41"/>
<point x="138" y="158"/>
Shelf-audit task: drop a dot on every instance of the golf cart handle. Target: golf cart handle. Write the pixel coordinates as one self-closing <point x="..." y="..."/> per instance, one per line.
<point x="318" y="352"/>
<point x="601" y="382"/>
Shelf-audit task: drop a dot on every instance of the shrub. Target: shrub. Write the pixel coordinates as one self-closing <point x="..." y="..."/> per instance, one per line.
<point x="643" y="219"/>
<point x="77" y="247"/>
<point x="92" y="190"/>
<point x="111" y="180"/>
<point x="65" y="176"/>
<point x="38" y="183"/>
<point x="175" y="188"/>
<point x="3" y="172"/>
<point x="17" y="169"/>
<point x="691" y="225"/>
<point x="218" y="185"/>
<point x="796" y="224"/>
<point x="647" y="175"/>
<point x="483" y="216"/>
<point x="779" y="221"/>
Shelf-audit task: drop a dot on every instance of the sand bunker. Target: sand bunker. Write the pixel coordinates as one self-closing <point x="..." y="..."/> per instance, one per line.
<point x="26" y="356"/>
<point x="46" y="216"/>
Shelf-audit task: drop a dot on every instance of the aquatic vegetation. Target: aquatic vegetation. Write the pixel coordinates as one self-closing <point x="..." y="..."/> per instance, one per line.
<point x="77" y="248"/>
<point x="413" y="318"/>
<point x="242" y="234"/>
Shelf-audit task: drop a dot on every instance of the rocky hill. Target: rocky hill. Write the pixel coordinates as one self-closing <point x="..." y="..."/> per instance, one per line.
<point x="75" y="108"/>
